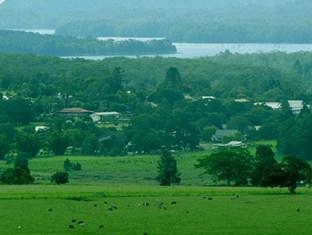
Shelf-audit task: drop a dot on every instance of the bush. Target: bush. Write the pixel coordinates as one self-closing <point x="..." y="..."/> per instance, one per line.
<point x="60" y="178"/>
<point x="69" y="166"/>
<point x="17" y="176"/>
<point x="20" y="174"/>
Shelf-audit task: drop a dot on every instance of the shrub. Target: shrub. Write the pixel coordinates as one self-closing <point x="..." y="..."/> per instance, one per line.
<point x="69" y="166"/>
<point x="60" y="178"/>
<point x="17" y="176"/>
<point x="20" y="174"/>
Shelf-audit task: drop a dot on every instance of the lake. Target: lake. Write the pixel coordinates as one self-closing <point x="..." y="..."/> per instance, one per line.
<point x="197" y="50"/>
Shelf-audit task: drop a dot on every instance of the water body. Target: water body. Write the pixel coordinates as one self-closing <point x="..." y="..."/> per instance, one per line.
<point x="196" y="50"/>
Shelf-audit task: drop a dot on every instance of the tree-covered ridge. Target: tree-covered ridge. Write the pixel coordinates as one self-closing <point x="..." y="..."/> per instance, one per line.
<point x="179" y="21"/>
<point x="32" y="43"/>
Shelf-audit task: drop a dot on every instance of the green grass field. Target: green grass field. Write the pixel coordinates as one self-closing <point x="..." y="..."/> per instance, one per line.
<point x="40" y="210"/>
<point x="119" y="195"/>
<point x="126" y="170"/>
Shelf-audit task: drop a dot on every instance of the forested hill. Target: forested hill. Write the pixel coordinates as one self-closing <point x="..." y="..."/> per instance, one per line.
<point x="286" y="21"/>
<point x="25" y="43"/>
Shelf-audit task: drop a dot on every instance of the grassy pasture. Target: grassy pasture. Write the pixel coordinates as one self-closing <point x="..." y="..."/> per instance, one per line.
<point x="138" y="209"/>
<point x="141" y="169"/>
<point x="119" y="196"/>
<point x="130" y="169"/>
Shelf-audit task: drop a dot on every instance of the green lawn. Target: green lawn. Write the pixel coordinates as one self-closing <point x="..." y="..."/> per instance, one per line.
<point x="40" y="210"/>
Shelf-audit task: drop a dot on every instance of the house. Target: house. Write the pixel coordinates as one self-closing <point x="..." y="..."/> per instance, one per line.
<point x="105" y="116"/>
<point x="273" y="105"/>
<point x="189" y="97"/>
<point x="231" y="144"/>
<point x="208" y="98"/>
<point x="220" y="135"/>
<point x="296" y="106"/>
<point x="41" y="128"/>
<point x="4" y="96"/>
<point x="75" y="112"/>
<point x="241" y="101"/>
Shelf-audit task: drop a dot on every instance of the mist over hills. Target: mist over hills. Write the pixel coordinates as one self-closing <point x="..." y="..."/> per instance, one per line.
<point x="279" y="21"/>
<point x="44" y="13"/>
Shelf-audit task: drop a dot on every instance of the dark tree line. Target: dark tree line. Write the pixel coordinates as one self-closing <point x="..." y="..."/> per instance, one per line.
<point x="238" y="167"/>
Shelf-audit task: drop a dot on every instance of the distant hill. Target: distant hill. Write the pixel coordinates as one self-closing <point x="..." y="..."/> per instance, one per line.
<point x="50" y="14"/>
<point x="278" y="21"/>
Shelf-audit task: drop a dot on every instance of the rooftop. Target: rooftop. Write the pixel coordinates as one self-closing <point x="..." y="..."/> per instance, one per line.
<point x="75" y="110"/>
<point x="107" y="114"/>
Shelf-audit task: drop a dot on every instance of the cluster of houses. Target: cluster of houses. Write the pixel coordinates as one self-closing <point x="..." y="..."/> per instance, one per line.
<point x="296" y="106"/>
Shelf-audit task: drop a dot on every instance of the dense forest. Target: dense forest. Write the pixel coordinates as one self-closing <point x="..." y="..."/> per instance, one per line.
<point x="179" y="21"/>
<point x="160" y="103"/>
<point x="33" y="43"/>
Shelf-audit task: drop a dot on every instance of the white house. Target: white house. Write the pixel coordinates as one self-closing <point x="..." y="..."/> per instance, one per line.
<point x="41" y="128"/>
<point x="231" y="144"/>
<point x="296" y="106"/>
<point x="241" y="100"/>
<point x="105" y="116"/>
<point x="208" y="97"/>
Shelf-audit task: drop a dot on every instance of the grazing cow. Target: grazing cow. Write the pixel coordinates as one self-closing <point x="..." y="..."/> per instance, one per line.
<point x="81" y="223"/>
<point x="160" y="205"/>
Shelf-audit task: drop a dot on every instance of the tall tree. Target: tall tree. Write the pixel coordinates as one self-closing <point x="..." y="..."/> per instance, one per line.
<point x="234" y="166"/>
<point x="265" y="164"/>
<point x="167" y="170"/>
<point x="173" y="79"/>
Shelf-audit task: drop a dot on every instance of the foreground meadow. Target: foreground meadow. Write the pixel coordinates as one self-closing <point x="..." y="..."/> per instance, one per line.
<point x="119" y="195"/>
<point x="127" y="209"/>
